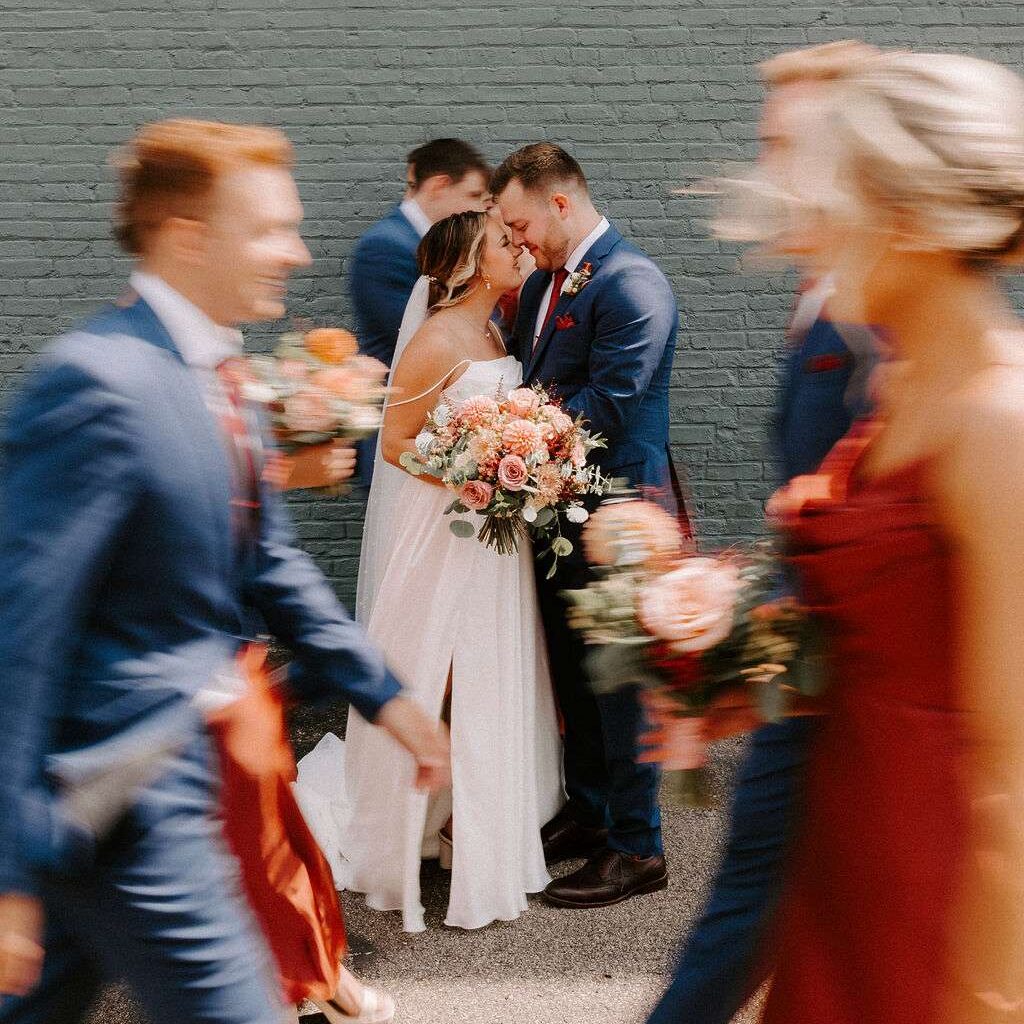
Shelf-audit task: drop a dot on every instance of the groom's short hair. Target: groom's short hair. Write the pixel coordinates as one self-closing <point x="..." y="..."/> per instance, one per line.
<point x="170" y="168"/>
<point x="453" y="157"/>
<point x="537" y="167"/>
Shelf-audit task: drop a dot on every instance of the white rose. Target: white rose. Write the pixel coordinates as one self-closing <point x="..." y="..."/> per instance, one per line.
<point x="464" y="463"/>
<point x="577" y="514"/>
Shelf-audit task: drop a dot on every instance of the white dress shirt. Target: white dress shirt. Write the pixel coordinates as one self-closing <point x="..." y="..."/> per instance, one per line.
<point x="415" y="216"/>
<point x="202" y="343"/>
<point x="571" y="264"/>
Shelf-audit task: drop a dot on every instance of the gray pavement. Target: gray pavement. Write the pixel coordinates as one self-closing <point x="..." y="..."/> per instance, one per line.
<point x="548" y="967"/>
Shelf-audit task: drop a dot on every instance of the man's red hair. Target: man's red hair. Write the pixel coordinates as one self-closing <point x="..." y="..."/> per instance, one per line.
<point x="170" y="168"/>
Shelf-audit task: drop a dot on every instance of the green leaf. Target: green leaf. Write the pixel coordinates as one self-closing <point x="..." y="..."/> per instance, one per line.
<point x="544" y="516"/>
<point x="808" y="673"/>
<point x="410" y="463"/>
<point x="561" y="547"/>
<point x="462" y="529"/>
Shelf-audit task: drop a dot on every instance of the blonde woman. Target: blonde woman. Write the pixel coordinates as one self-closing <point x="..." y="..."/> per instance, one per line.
<point x="905" y="898"/>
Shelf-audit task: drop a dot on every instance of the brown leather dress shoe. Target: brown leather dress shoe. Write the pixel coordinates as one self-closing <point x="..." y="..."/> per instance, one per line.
<point x="608" y="877"/>
<point x="564" y="838"/>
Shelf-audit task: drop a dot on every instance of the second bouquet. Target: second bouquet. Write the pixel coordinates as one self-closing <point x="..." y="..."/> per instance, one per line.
<point x="519" y="461"/>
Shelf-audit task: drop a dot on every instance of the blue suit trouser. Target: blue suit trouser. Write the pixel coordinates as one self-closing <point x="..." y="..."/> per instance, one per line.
<point x="719" y="966"/>
<point x="605" y="784"/>
<point x="162" y="909"/>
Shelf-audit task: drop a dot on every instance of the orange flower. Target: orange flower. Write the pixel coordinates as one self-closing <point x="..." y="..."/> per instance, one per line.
<point x="331" y="344"/>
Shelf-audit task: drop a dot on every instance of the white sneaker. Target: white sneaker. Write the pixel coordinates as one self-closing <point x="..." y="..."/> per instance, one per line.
<point x="377" y="1008"/>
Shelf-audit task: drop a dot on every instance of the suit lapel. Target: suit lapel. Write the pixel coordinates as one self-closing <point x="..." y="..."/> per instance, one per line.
<point x="200" y="429"/>
<point x="594" y="255"/>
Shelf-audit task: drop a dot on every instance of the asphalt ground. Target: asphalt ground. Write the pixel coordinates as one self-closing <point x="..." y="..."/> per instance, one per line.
<point x="550" y="966"/>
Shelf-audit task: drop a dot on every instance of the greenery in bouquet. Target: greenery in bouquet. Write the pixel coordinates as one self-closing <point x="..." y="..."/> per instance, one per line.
<point x="317" y="387"/>
<point x="518" y="461"/>
<point x="689" y="628"/>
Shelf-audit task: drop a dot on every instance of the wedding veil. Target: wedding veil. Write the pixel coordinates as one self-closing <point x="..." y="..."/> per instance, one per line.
<point x="382" y="504"/>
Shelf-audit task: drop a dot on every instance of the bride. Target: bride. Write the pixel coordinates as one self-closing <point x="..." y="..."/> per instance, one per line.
<point x="458" y="622"/>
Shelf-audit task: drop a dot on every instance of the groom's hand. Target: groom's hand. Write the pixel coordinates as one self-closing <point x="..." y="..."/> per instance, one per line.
<point x="427" y="740"/>
<point x="21" y="943"/>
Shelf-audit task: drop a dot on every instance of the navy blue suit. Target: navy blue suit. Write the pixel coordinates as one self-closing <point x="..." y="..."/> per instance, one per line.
<point x="123" y="589"/>
<point x="607" y="352"/>
<point x="722" y="961"/>
<point x="381" y="279"/>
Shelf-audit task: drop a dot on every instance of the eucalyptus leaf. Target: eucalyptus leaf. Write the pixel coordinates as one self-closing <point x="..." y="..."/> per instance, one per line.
<point x="544" y="516"/>
<point x="561" y="547"/>
<point x="462" y="529"/>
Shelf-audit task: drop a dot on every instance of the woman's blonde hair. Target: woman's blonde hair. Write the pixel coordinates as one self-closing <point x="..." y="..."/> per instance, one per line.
<point x="938" y="139"/>
<point x="450" y="254"/>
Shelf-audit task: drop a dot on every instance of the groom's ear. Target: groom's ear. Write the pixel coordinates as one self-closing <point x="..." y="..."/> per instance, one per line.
<point x="562" y="204"/>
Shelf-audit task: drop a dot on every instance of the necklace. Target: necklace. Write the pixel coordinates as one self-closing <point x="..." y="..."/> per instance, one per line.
<point x="468" y="322"/>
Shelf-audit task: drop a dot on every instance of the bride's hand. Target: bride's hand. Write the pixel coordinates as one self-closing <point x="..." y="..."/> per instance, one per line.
<point x="426" y="739"/>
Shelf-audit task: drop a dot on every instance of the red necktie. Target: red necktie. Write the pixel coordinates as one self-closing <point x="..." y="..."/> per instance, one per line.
<point x="245" y="499"/>
<point x="556" y="293"/>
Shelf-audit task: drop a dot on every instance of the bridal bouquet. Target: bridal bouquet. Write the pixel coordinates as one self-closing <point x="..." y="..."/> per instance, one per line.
<point x="518" y="461"/>
<point x="689" y="629"/>
<point x="318" y="388"/>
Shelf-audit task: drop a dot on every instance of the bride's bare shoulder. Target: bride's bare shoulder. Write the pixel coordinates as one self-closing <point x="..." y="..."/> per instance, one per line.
<point x="429" y="349"/>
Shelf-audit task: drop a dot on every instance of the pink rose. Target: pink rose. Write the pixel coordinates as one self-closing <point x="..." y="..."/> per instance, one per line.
<point x="293" y="369"/>
<point x="693" y="607"/>
<point x="512" y="473"/>
<point x="476" y="495"/>
<point x="308" y="413"/>
<point x="522" y="402"/>
<point x="651" y="534"/>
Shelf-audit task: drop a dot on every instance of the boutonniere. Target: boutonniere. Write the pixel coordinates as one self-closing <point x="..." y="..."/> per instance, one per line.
<point x="577" y="280"/>
<point x="826" y="362"/>
<point x="564" y="321"/>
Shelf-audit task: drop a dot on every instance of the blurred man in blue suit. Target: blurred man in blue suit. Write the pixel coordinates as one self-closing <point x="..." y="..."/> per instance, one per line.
<point x="443" y="177"/>
<point x="597" y="323"/>
<point x="138" y="545"/>
<point x="824" y="375"/>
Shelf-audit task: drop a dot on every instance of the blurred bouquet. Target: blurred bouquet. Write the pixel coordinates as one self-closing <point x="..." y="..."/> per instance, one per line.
<point x="518" y="461"/>
<point x="318" y="388"/>
<point x="689" y="629"/>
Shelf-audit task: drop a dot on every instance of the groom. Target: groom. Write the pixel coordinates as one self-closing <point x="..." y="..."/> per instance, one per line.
<point x="597" y="323"/>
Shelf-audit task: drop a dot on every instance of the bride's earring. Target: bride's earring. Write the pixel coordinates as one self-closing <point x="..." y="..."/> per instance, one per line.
<point x="487" y="283"/>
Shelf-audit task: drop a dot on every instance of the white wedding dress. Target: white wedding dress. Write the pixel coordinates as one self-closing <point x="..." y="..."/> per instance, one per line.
<point x="436" y="603"/>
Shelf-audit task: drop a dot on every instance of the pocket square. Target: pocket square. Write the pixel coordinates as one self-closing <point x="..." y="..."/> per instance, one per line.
<point x="825" y="362"/>
<point x="564" y="321"/>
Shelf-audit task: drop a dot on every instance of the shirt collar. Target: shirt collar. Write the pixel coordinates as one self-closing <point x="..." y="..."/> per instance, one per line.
<point x="415" y="216"/>
<point x="200" y="341"/>
<point x="576" y="256"/>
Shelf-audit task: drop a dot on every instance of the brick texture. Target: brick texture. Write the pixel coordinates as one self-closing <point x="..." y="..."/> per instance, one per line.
<point x="647" y="95"/>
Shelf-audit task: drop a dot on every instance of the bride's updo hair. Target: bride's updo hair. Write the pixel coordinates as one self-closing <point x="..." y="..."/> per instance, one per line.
<point x="938" y="139"/>
<point x="450" y="254"/>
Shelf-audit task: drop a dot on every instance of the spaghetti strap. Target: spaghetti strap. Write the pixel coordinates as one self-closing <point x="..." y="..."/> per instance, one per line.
<point x="433" y="387"/>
